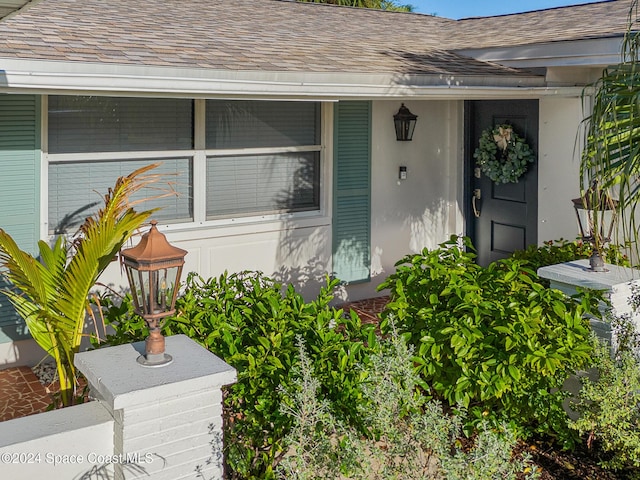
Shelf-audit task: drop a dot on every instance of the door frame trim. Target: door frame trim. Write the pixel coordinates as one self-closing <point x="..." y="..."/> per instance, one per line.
<point x="467" y="169"/>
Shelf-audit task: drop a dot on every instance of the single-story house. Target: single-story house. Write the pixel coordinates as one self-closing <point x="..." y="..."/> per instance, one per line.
<point x="277" y="119"/>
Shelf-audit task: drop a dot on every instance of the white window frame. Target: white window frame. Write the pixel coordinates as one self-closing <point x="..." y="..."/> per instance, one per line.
<point x="198" y="156"/>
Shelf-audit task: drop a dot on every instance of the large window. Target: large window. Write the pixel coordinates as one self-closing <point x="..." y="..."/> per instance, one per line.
<point x="108" y="124"/>
<point x="259" y="157"/>
<point x="76" y="190"/>
<point x="252" y="184"/>
<point x="251" y="124"/>
<point x="282" y="174"/>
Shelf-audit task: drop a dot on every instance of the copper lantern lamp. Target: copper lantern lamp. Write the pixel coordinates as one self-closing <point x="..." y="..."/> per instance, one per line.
<point x="153" y="269"/>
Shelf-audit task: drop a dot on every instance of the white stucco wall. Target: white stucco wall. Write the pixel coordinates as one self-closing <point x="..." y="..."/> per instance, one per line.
<point x="20" y="352"/>
<point x="65" y="443"/>
<point x="559" y="166"/>
<point x="423" y="210"/>
<point x="407" y="215"/>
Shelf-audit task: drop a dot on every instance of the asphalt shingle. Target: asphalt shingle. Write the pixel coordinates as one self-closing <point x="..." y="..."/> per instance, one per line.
<point x="603" y="19"/>
<point x="276" y="35"/>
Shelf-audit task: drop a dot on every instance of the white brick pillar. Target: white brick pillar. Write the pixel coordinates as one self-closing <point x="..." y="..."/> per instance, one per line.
<point x="168" y="420"/>
<point x="616" y="282"/>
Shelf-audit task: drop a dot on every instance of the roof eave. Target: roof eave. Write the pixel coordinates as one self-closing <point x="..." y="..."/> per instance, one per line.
<point x="591" y="52"/>
<point x="42" y="76"/>
<point x="8" y="7"/>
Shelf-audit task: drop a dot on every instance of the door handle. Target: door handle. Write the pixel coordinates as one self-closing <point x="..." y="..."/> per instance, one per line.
<point x="477" y="195"/>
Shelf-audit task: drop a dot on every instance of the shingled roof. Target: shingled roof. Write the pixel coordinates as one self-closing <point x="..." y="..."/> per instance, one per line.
<point x="285" y="36"/>
<point x="594" y="20"/>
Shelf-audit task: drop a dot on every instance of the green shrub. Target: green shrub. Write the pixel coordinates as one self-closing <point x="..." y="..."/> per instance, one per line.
<point x="560" y="251"/>
<point x="552" y="252"/>
<point x="610" y="407"/>
<point x="117" y="312"/>
<point x="493" y="340"/>
<point x="491" y="457"/>
<point x="319" y="445"/>
<point x="251" y="322"/>
<point x="413" y="438"/>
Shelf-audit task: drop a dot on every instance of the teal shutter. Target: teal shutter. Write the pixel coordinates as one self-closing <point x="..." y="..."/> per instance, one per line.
<point x="19" y="189"/>
<point x="352" y="192"/>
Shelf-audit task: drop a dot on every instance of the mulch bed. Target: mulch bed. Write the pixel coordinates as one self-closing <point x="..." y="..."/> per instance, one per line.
<point x="579" y="464"/>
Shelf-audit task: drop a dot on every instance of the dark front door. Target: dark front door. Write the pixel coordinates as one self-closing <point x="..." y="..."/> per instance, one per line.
<point x="505" y="215"/>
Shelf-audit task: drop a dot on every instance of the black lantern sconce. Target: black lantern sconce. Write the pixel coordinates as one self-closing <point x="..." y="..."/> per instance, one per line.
<point x="597" y="214"/>
<point x="405" y="123"/>
<point x="153" y="269"/>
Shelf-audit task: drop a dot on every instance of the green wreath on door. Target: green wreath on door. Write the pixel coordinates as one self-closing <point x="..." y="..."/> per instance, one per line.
<point x="502" y="155"/>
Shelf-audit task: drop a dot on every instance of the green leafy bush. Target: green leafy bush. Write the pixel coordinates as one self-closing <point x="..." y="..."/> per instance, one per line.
<point x="252" y="322"/>
<point x="117" y="312"/>
<point x="560" y="251"/>
<point x="493" y="340"/>
<point x="413" y="438"/>
<point x="610" y="407"/>
<point x="552" y="252"/>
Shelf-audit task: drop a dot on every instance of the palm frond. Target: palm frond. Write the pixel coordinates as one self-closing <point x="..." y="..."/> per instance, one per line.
<point x="611" y="154"/>
<point x="54" y="258"/>
<point x="37" y="320"/>
<point x="53" y="294"/>
<point x="98" y="241"/>
<point x="24" y="271"/>
<point x="102" y="237"/>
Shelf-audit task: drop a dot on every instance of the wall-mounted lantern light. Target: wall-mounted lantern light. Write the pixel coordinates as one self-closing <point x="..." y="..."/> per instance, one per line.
<point x="153" y="269"/>
<point x="405" y="123"/>
<point x="597" y="213"/>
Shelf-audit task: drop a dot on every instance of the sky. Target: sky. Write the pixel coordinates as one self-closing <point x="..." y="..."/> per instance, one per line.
<point x="481" y="8"/>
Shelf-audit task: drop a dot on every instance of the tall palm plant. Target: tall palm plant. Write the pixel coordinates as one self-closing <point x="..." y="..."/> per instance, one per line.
<point x="611" y="156"/>
<point x="51" y="293"/>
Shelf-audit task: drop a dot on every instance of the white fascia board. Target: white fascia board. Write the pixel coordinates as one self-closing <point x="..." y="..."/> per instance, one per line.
<point x="51" y="77"/>
<point x="598" y="52"/>
<point x="8" y="7"/>
<point x="15" y="4"/>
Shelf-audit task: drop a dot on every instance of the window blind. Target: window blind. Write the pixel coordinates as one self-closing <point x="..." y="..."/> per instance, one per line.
<point x="76" y="190"/>
<point x="111" y="124"/>
<point x="253" y="124"/>
<point x="236" y="185"/>
<point x="258" y="184"/>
